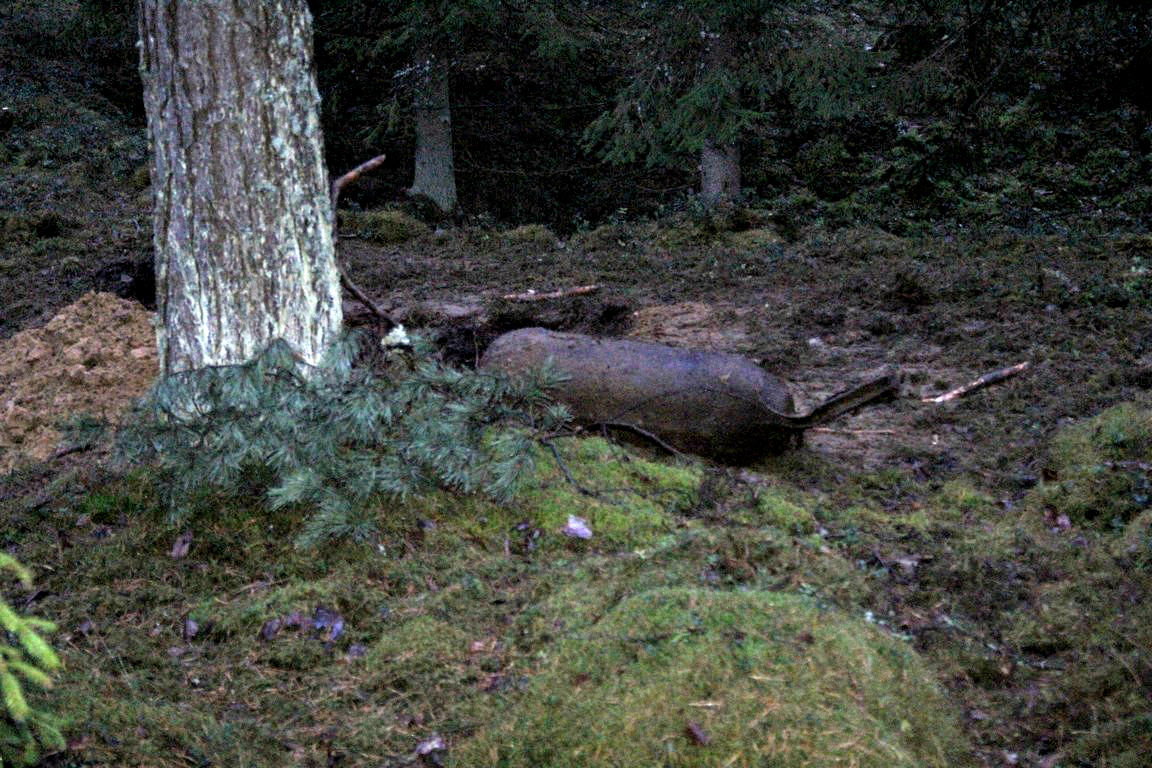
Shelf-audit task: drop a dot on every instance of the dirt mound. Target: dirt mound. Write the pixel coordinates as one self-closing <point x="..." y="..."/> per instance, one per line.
<point x="93" y="358"/>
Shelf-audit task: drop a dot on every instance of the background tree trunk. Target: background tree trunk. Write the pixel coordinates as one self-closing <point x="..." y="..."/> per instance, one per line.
<point x="244" y="251"/>
<point x="719" y="173"/>
<point x="435" y="173"/>
<point x="719" y="163"/>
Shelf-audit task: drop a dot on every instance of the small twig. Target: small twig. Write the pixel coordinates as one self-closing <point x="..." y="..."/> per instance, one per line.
<point x="254" y="586"/>
<point x="1141" y="466"/>
<point x="834" y="431"/>
<point x="347" y="281"/>
<point x="62" y="452"/>
<point x="641" y="432"/>
<point x="579" y="290"/>
<point x="564" y="468"/>
<point x="987" y="379"/>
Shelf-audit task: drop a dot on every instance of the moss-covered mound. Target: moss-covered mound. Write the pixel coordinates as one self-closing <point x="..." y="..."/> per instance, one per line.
<point x="529" y="234"/>
<point x="691" y="677"/>
<point x="1101" y="468"/>
<point x="387" y="227"/>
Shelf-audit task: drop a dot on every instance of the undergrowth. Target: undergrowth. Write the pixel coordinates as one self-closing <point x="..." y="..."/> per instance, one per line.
<point x="482" y="632"/>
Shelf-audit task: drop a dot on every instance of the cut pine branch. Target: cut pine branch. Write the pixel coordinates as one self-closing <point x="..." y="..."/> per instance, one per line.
<point x="993" y="377"/>
<point x="348" y="283"/>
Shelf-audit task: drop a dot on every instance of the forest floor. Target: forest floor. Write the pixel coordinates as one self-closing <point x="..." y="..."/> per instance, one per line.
<point x="945" y="525"/>
<point x="1000" y="543"/>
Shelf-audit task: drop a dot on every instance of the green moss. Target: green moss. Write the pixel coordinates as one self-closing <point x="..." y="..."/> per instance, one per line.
<point x="1100" y="468"/>
<point x="682" y="235"/>
<point x="1136" y="542"/>
<point x="754" y="239"/>
<point x="385" y="227"/>
<point x="960" y="495"/>
<point x="170" y="733"/>
<point x="608" y="237"/>
<point x="530" y="234"/>
<point x="765" y="679"/>
<point x="772" y="508"/>
<point x="628" y="502"/>
<point x="421" y="657"/>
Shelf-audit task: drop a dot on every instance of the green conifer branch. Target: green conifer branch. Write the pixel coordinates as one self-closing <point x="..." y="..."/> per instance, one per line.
<point x="26" y="732"/>
<point x="337" y="441"/>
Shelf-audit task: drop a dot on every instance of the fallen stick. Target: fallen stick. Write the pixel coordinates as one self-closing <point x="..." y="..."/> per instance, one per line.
<point x="579" y="290"/>
<point x="68" y="451"/>
<point x="994" y="377"/>
<point x="345" y="280"/>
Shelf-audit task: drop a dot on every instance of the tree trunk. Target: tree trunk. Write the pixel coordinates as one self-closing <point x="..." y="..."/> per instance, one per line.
<point x="719" y="173"/>
<point x="719" y="162"/>
<point x="244" y="250"/>
<point x="435" y="174"/>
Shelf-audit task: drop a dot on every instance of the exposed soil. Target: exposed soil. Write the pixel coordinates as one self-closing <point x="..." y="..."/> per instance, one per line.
<point x="829" y="310"/>
<point x="824" y="313"/>
<point x="94" y="358"/>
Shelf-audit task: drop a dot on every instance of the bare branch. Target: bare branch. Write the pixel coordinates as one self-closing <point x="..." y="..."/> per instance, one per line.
<point x="337" y="186"/>
<point x="580" y="290"/>
<point x="993" y="377"/>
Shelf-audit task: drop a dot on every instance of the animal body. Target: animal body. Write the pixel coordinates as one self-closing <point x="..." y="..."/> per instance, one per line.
<point x="711" y="403"/>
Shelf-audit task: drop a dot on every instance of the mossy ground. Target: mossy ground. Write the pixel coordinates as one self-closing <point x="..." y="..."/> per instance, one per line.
<point x="215" y="657"/>
<point x="384" y="227"/>
<point x="812" y="627"/>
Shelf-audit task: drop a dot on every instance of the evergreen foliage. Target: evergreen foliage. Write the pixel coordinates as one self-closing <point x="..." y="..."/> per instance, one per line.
<point x="382" y="47"/>
<point x="339" y="440"/>
<point x="26" y="658"/>
<point x="775" y="59"/>
<point x="1032" y="91"/>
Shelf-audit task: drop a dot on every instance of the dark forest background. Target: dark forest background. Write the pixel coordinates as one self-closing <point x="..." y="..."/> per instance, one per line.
<point x="1027" y="114"/>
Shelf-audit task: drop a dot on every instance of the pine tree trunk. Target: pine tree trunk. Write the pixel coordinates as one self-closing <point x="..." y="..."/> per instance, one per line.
<point x="244" y="251"/>
<point x="435" y="174"/>
<point x="719" y="173"/>
<point x="719" y="163"/>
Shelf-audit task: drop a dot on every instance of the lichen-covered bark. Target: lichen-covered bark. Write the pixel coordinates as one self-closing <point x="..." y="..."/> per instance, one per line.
<point x="719" y="173"/>
<point x="244" y="252"/>
<point x="434" y="175"/>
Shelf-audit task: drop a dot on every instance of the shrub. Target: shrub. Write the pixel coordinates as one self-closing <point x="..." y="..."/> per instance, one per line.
<point x="338" y="440"/>
<point x="26" y="732"/>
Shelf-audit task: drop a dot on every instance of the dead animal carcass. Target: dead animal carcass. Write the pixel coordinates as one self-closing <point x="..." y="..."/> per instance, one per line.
<point x="710" y="403"/>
